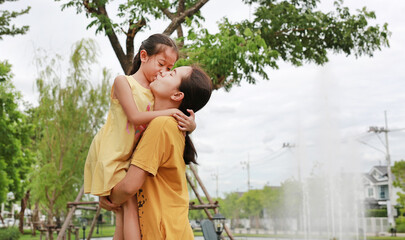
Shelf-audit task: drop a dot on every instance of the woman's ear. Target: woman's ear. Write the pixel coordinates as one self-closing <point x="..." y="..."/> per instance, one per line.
<point x="144" y="56"/>
<point x="177" y="96"/>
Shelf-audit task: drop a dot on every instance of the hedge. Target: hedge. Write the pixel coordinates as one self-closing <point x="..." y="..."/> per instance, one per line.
<point x="9" y="233"/>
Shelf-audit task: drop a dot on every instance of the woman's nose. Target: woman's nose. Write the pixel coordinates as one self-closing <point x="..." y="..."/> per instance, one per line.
<point x="164" y="69"/>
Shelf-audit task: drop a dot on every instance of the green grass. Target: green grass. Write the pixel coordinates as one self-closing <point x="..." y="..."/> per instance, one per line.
<point x="384" y="238"/>
<point x="104" y="231"/>
<point x="108" y="231"/>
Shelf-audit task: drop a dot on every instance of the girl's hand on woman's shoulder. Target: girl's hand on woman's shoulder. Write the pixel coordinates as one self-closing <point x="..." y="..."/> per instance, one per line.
<point x="186" y="123"/>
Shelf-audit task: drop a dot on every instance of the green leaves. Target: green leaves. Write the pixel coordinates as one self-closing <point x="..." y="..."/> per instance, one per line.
<point x="70" y="112"/>
<point x="276" y="202"/>
<point x="289" y="30"/>
<point x="16" y="132"/>
<point x="230" y="56"/>
<point x="301" y="34"/>
<point x="6" y="28"/>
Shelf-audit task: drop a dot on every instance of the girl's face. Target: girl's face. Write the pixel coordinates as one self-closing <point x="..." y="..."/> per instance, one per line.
<point x="167" y="83"/>
<point x="159" y="63"/>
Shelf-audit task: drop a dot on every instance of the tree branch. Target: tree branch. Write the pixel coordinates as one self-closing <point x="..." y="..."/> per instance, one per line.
<point x="181" y="7"/>
<point x="165" y="10"/>
<point x="176" y="21"/>
<point x="101" y="10"/>
<point x="180" y="35"/>
<point x="132" y="31"/>
<point x="293" y="30"/>
<point x="88" y="8"/>
<point x="167" y="13"/>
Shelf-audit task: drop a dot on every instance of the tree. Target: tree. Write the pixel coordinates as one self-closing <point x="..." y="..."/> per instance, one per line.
<point x="69" y="113"/>
<point x="135" y="16"/>
<point x="15" y="132"/>
<point x="251" y="204"/>
<point x="230" y="208"/>
<point x="273" y="204"/>
<point x="14" y="125"/>
<point x="289" y="30"/>
<point x="5" y="19"/>
<point x="399" y="172"/>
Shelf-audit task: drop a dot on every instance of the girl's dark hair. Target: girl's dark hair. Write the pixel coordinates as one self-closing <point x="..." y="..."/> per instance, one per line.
<point x="154" y="44"/>
<point x="197" y="88"/>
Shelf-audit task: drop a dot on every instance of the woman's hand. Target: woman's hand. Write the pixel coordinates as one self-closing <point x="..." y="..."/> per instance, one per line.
<point x="105" y="203"/>
<point x="186" y="123"/>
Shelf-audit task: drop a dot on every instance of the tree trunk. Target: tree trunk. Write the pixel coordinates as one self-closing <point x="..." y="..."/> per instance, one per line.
<point x="24" y="202"/>
<point x="1" y="218"/>
<point x="50" y="221"/>
<point x="257" y="223"/>
<point x="35" y="219"/>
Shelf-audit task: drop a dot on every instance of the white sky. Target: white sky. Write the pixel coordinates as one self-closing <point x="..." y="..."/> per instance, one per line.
<point x="323" y="110"/>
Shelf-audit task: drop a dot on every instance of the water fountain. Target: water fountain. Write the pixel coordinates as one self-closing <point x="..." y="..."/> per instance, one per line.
<point x="331" y="202"/>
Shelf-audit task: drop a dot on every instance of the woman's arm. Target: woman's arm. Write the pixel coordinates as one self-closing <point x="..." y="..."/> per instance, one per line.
<point x="122" y="91"/>
<point x="128" y="186"/>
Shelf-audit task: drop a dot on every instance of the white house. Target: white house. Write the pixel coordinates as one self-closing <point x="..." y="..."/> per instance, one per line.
<point x="376" y="188"/>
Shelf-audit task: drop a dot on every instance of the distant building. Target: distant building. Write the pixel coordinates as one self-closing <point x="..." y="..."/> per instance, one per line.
<point x="376" y="188"/>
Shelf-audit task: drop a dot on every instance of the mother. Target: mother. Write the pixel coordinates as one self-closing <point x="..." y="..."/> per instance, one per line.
<point x="157" y="171"/>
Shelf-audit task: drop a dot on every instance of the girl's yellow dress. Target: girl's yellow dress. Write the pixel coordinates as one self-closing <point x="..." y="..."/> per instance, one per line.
<point x="111" y="148"/>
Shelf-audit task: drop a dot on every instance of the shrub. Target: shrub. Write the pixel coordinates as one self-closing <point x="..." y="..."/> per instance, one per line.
<point x="9" y="234"/>
<point x="401" y="228"/>
<point x="376" y="212"/>
<point x="400" y="220"/>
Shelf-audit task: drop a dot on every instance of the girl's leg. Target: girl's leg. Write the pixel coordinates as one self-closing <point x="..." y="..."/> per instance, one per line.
<point x="119" y="225"/>
<point x="131" y="221"/>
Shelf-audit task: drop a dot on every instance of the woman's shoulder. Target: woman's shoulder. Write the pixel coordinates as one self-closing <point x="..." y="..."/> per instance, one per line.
<point x="163" y="120"/>
<point x="164" y="123"/>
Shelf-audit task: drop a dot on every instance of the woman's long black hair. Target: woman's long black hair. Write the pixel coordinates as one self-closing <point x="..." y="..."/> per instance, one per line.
<point x="197" y="88"/>
<point x="154" y="44"/>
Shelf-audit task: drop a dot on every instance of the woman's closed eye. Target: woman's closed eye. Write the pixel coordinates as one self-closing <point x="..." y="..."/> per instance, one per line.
<point x="172" y="73"/>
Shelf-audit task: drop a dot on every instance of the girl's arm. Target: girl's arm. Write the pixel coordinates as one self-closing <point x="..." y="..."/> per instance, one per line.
<point x="122" y="91"/>
<point x="186" y="123"/>
<point x="128" y="186"/>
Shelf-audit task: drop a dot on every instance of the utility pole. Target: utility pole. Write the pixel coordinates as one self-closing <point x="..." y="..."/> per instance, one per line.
<point x="288" y="145"/>
<point x="247" y="165"/>
<point x="302" y="220"/>
<point x="390" y="207"/>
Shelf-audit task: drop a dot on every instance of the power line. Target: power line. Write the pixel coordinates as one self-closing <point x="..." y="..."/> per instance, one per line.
<point x="371" y="146"/>
<point x="215" y="177"/>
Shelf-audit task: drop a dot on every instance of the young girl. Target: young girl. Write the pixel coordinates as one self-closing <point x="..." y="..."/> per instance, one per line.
<point x="130" y="111"/>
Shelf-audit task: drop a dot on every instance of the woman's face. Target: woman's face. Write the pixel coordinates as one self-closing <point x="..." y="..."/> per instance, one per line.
<point x="167" y="83"/>
<point x="159" y="63"/>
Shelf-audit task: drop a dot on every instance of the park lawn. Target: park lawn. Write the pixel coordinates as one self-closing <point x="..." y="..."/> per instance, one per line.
<point x="104" y="231"/>
<point x="108" y="231"/>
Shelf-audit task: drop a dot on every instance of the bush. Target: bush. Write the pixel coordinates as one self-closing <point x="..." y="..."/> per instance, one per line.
<point x="401" y="228"/>
<point x="376" y="212"/>
<point x="400" y="220"/>
<point x="9" y="234"/>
